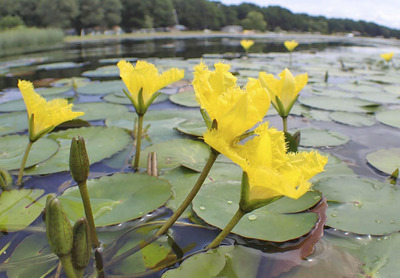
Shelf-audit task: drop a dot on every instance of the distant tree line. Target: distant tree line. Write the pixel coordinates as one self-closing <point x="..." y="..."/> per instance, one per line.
<point x="194" y="14"/>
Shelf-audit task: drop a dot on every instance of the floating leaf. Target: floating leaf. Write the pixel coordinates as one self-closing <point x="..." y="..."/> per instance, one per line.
<point x="101" y="142"/>
<point x="362" y="206"/>
<point x="19" y="208"/>
<point x="187" y="98"/>
<point x="195" y="128"/>
<point x="280" y="221"/>
<point x="118" y="198"/>
<point x="353" y="119"/>
<point x="99" y="110"/>
<point x="32" y="258"/>
<point x="225" y="261"/>
<point x="56" y="66"/>
<point x="123" y="99"/>
<point x="12" y="149"/>
<point x="385" y="160"/>
<point x="389" y="117"/>
<point x="102" y="88"/>
<point x="13" y="122"/>
<point x="105" y="71"/>
<point x="13" y="105"/>
<point x="312" y="137"/>
<point x="379" y="255"/>
<point x="338" y="103"/>
<point x="171" y="154"/>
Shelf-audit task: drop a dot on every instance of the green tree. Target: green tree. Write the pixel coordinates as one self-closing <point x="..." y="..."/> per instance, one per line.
<point x="91" y="14"/>
<point x="112" y="12"/>
<point x="10" y="21"/>
<point x="254" y="21"/>
<point x="57" y="13"/>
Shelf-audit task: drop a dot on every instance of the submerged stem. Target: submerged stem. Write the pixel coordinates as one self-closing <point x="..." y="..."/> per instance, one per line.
<point x="138" y="142"/>
<point x="24" y="158"/>
<point x="228" y="228"/>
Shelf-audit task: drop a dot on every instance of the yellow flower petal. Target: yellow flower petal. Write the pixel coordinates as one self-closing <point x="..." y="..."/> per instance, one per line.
<point x="145" y="76"/>
<point x="286" y="88"/>
<point x="290" y="45"/>
<point x="46" y="114"/>
<point x="387" y="56"/>
<point x="246" y="44"/>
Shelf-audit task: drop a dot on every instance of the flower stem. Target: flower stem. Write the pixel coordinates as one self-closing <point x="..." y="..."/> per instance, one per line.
<point x="24" y="158"/>
<point x="138" y="141"/>
<point x="232" y="223"/>
<point x="189" y="198"/>
<point x="210" y="162"/>
<point x="68" y="267"/>
<point x="284" y="122"/>
<point x="88" y="213"/>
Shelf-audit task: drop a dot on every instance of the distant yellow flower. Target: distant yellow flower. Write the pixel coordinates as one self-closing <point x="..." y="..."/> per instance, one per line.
<point x="290" y="45"/>
<point x="271" y="171"/>
<point x="44" y="115"/>
<point x="145" y="76"/>
<point x="284" y="91"/>
<point x="387" y="56"/>
<point x="246" y="44"/>
<point x="231" y="109"/>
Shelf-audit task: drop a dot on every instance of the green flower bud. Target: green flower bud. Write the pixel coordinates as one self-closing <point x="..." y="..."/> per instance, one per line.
<point x="78" y="160"/>
<point x="5" y="179"/>
<point x="81" y="250"/>
<point x="58" y="228"/>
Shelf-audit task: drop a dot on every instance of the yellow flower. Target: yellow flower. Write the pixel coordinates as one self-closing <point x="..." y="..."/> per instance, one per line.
<point x="246" y="44"/>
<point x="284" y="91"/>
<point x="387" y="56"/>
<point x="233" y="110"/>
<point x="145" y="78"/>
<point x="44" y="115"/>
<point x="271" y="171"/>
<point x="290" y="45"/>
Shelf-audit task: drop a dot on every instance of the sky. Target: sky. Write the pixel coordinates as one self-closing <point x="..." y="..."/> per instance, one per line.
<point x="382" y="12"/>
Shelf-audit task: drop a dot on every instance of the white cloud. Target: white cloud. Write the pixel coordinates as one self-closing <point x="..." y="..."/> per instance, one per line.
<point x="384" y="12"/>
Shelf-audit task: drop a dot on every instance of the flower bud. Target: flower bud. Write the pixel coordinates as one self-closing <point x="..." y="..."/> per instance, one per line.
<point x="58" y="228"/>
<point x="5" y="179"/>
<point x="81" y="250"/>
<point x="78" y="160"/>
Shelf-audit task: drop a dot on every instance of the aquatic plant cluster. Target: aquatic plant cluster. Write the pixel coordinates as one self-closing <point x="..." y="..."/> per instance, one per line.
<point x="237" y="164"/>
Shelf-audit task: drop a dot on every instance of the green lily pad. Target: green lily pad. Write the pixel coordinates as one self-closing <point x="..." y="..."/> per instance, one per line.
<point x="389" y="117"/>
<point x="53" y="91"/>
<point x="225" y="261"/>
<point x="13" y="105"/>
<point x="385" y="160"/>
<point x="20" y="207"/>
<point x="12" y="149"/>
<point x="102" y="88"/>
<point x="69" y="82"/>
<point x="195" y="128"/>
<point x="362" y="206"/>
<point x="171" y="154"/>
<point x="379" y="255"/>
<point x="312" y="137"/>
<point x="187" y="98"/>
<point x="105" y="71"/>
<point x="99" y="110"/>
<point x="334" y="167"/>
<point x="281" y="221"/>
<point x="13" y="122"/>
<point x="123" y="99"/>
<point x="101" y="143"/>
<point x="353" y="119"/>
<point x="338" y="103"/>
<point x="36" y="250"/>
<point x="118" y="198"/>
<point x="183" y="179"/>
<point x="56" y="66"/>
